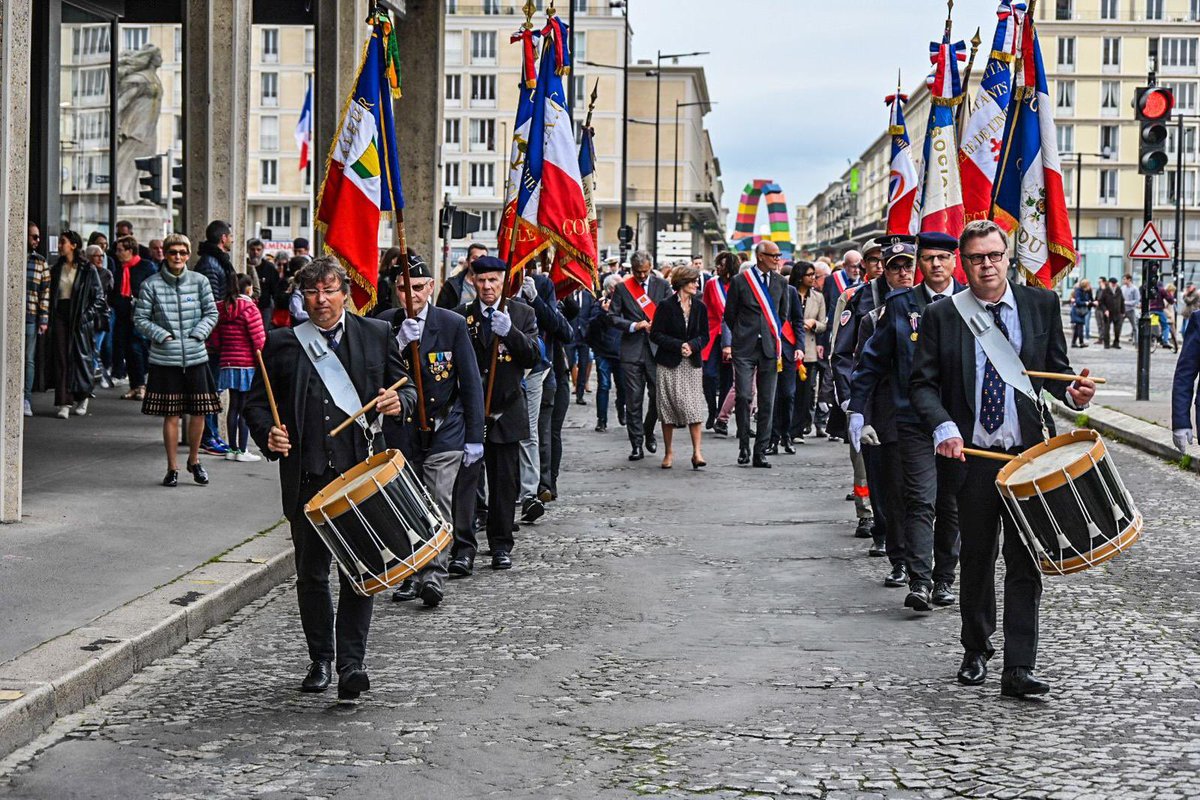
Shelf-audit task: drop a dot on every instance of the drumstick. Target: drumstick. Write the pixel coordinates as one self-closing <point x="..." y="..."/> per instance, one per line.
<point x="1063" y="376"/>
<point x="365" y="408"/>
<point x="992" y="454"/>
<point x="262" y="367"/>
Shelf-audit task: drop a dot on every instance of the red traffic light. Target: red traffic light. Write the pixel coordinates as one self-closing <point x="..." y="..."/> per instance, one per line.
<point x="1154" y="103"/>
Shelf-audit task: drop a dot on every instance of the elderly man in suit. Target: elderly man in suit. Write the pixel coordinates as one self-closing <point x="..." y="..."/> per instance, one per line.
<point x="755" y="307"/>
<point x="309" y="458"/>
<point x="958" y="392"/>
<point x="631" y="311"/>
<point x="453" y="406"/>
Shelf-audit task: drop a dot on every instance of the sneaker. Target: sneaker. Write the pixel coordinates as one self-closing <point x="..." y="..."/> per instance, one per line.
<point x="64" y="412"/>
<point x="247" y="457"/>
<point x="80" y="408"/>
<point x="27" y="409"/>
<point x="231" y="455"/>
<point x="214" y="448"/>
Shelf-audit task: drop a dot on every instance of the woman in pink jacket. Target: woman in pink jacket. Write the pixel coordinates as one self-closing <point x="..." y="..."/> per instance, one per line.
<point x="239" y="335"/>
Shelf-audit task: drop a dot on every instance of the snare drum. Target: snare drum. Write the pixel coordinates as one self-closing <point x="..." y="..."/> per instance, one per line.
<point x="379" y="522"/>
<point x="1070" y="505"/>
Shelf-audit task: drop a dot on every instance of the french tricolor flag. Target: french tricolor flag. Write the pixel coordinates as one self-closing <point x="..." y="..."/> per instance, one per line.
<point x="941" y="198"/>
<point x="304" y="128"/>
<point x="904" y="183"/>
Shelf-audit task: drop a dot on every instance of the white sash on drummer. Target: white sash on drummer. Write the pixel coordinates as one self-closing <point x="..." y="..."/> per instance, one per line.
<point x="333" y="374"/>
<point x="995" y="344"/>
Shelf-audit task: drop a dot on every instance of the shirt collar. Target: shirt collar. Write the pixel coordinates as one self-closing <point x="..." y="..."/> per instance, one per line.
<point x="423" y="314"/>
<point x="341" y="323"/>
<point x="1007" y="299"/>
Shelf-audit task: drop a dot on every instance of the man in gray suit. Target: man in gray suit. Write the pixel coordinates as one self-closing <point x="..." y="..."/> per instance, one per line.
<point x="755" y="307"/>
<point x="632" y="310"/>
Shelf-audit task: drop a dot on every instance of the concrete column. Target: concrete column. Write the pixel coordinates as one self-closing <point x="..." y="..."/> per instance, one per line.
<point x="419" y="120"/>
<point x="16" y="18"/>
<point x="216" y="75"/>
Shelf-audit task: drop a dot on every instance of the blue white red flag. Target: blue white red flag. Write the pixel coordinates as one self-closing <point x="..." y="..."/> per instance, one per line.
<point x="941" y="196"/>
<point x="1028" y="197"/>
<point x="304" y="128"/>
<point x="904" y="184"/>
<point x="979" y="150"/>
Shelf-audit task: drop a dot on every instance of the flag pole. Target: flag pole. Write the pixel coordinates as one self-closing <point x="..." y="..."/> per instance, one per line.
<point x="964" y="107"/>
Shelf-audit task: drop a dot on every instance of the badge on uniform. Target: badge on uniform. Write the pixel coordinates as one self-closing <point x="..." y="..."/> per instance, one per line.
<point x="502" y="353"/>
<point x="441" y="364"/>
<point x="845" y="318"/>
<point x="914" y="319"/>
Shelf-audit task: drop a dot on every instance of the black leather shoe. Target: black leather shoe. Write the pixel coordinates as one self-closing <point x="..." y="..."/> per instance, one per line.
<point x="531" y="510"/>
<point x="601" y="427"/>
<point x="772" y="450"/>
<point x="1019" y="682"/>
<point x="721" y="428"/>
<point x="431" y="596"/>
<point x="973" y="669"/>
<point x="651" y="444"/>
<point x="579" y="401"/>
<point x="638" y="454"/>
<point x="919" y="598"/>
<point x="863" y="531"/>
<point x="942" y="596"/>
<point x="352" y="681"/>
<point x="743" y="455"/>
<point x="849" y="497"/>
<point x="621" y="417"/>
<point x="761" y="462"/>
<point x="501" y="560"/>
<point x="407" y="591"/>
<point x="787" y="448"/>
<point x="172" y="478"/>
<point x="897" y="577"/>
<point x="199" y="474"/>
<point x="878" y="548"/>
<point x="320" y="673"/>
<point x="461" y="566"/>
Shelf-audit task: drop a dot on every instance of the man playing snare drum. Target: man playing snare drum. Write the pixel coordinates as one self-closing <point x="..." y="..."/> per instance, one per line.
<point x="958" y="392"/>
<point x="309" y="458"/>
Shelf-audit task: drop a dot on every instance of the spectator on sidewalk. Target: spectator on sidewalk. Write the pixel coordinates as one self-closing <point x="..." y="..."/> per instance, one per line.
<point x="812" y="303"/>
<point x="129" y="347"/>
<point x="1191" y="302"/>
<point x="300" y="249"/>
<point x="239" y="335"/>
<point x="1112" y="307"/>
<point x="37" y="308"/>
<point x="157" y="258"/>
<point x="1133" y="305"/>
<point x="1081" y="309"/>
<point x="458" y="290"/>
<point x="254" y="259"/>
<point x="1160" y="299"/>
<point x="76" y="306"/>
<point x="176" y="312"/>
<point x="1170" y="306"/>
<point x="216" y="265"/>
<point x="102" y="349"/>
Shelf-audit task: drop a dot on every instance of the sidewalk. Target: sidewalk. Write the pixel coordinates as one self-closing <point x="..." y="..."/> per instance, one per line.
<point x="89" y="572"/>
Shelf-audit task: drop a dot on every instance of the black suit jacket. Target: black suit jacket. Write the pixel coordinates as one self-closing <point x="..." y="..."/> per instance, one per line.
<point x="624" y="311"/>
<point x="670" y="331"/>
<point x="748" y="326"/>
<point x="453" y="393"/>
<point x="942" y="388"/>
<point x="375" y="364"/>
<point x="508" y="421"/>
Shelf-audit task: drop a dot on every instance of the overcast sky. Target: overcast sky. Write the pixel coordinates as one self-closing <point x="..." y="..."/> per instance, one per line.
<point x="800" y="83"/>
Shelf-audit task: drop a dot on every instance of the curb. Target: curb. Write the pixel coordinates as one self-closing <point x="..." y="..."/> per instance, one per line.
<point x="98" y="657"/>
<point x="1152" y="439"/>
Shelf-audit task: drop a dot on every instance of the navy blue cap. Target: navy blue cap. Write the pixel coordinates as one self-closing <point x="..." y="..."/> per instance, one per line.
<point x="488" y="264"/>
<point x="899" y="249"/>
<point x="936" y="240"/>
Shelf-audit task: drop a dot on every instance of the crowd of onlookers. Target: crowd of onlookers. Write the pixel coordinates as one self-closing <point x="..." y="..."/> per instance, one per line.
<point x="1115" y="303"/>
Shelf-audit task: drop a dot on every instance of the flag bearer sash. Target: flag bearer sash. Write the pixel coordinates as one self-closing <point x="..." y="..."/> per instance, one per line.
<point x="768" y="309"/>
<point x="641" y="298"/>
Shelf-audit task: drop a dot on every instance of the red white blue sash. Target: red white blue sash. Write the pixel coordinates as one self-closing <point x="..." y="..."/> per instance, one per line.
<point x="768" y="310"/>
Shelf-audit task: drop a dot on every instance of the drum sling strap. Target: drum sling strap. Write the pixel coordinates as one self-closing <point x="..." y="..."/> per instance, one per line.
<point x="999" y="350"/>
<point x="333" y="375"/>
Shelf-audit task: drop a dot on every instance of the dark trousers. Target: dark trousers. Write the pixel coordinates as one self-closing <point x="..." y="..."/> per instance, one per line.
<point x="346" y="636"/>
<point x="930" y="510"/>
<point x="802" y="413"/>
<point x="873" y="461"/>
<point x="545" y="429"/>
<point x="639" y="377"/>
<point x="608" y="378"/>
<point x="889" y="482"/>
<point x="63" y="337"/>
<point x="744" y="367"/>
<point x="465" y="489"/>
<point x="1111" y="328"/>
<point x="562" y="402"/>
<point x="580" y="355"/>
<point x="502" y="462"/>
<point x="718" y="377"/>
<point x="825" y="384"/>
<point x="975" y="488"/>
<point x="785" y="400"/>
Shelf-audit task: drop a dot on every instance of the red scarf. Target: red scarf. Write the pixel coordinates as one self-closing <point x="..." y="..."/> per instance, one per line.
<point x="126" y="286"/>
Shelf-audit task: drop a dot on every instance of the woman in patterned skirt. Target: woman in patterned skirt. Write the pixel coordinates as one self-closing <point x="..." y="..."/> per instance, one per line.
<point x="176" y="312"/>
<point x="679" y="331"/>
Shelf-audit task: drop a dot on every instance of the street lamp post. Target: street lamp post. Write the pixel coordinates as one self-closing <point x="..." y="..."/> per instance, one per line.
<point x="657" y="121"/>
<point x="1079" y="193"/>
<point x="622" y="240"/>
<point x="675" y="194"/>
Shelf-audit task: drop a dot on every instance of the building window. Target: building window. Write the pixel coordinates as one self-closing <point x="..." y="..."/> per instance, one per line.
<point x="1110" y="98"/>
<point x="491" y="6"/>
<point x="454" y="47"/>
<point x="1066" y="53"/>
<point x="483" y="135"/>
<point x="483" y="178"/>
<point x="134" y="38"/>
<point x="270" y="45"/>
<point x="483" y="90"/>
<point x="87" y="83"/>
<point x="303" y="218"/>
<point x="1108" y="9"/>
<point x="1065" y="97"/>
<point x="1063" y="9"/>
<point x="269" y="175"/>
<point x="1110" y="141"/>
<point x="1189" y="143"/>
<point x="450" y="178"/>
<point x="1154" y="9"/>
<point x="451" y="6"/>
<point x="1108" y="187"/>
<point x="308" y="174"/>
<point x="580" y="6"/>
<point x="581" y="93"/>
<point x="483" y="47"/>
<point x="487" y="219"/>
<point x="580" y="53"/>
<point x="1167" y="189"/>
<point x="1109" y="227"/>
<point x="310" y="46"/>
<point x="1185" y="94"/>
<point x="270" y="89"/>
<point x="91" y="40"/>
<point x="268" y="133"/>
<point x="279" y="216"/>
<point x="454" y="88"/>
<point x="178" y="44"/>
<point x="1177" y="52"/>
<point x="1194" y="10"/>
<point x="1066" y="138"/>
<point x="1068" y="178"/>
<point x="1111" y="58"/>
<point x="453" y="128"/>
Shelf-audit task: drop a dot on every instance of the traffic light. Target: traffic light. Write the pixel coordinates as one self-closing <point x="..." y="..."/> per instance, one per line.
<point x="464" y="224"/>
<point x="176" y="193"/>
<point x="151" y="185"/>
<point x="1153" y="106"/>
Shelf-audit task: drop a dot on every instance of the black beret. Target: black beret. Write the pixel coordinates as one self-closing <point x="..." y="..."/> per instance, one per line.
<point x="488" y="264"/>
<point x="936" y="240"/>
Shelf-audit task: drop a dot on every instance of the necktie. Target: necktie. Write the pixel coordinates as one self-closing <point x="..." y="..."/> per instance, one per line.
<point x="487" y="324"/>
<point x="331" y="336"/>
<point x="992" y="397"/>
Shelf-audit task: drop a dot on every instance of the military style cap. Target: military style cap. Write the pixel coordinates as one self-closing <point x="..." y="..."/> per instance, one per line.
<point x="418" y="268"/>
<point x="488" y="264"/>
<point x="936" y="240"/>
<point x="871" y="244"/>
<point x="899" y="249"/>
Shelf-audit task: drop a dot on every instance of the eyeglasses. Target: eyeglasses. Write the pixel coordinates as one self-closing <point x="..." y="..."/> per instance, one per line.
<point x="928" y="258"/>
<point x="311" y="293"/>
<point x="420" y="287"/>
<point x="773" y="255"/>
<point x="872" y="261"/>
<point x="976" y="259"/>
<point x="37" y="236"/>
<point x="905" y="267"/>
<point x="178" y="253"/>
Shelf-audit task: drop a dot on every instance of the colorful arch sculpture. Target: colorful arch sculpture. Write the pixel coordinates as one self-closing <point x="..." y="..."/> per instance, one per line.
<point x="744" y="236"/>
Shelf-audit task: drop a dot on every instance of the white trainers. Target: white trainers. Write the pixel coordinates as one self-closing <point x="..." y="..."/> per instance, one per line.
<point x="27" y="409"/>
<point x="80" y="408"/>
<point x="231" y="455"/>
<point x="248" y="457"/>
<point x="64" y="412"/>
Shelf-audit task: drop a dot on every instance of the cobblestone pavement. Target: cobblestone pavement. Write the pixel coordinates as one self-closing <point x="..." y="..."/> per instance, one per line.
<point x="711" y="634"/>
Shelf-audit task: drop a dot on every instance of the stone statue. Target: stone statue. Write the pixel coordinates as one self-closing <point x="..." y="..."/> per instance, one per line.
<point x="139" y="104"/>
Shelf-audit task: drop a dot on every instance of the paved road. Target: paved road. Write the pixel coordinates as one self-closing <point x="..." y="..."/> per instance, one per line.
<point x="718" y="634"/>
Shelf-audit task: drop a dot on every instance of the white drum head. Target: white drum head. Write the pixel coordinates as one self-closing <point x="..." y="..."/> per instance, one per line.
<point x="346" y="487"/>
<point x="1048" y="463"/>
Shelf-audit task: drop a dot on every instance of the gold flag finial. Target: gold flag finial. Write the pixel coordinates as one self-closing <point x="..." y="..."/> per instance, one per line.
<point x="976" y="40"/>
<point x="529" y="9"/>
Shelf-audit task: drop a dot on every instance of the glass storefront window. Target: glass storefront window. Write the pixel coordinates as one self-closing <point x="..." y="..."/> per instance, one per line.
<point x="84" y="122"/>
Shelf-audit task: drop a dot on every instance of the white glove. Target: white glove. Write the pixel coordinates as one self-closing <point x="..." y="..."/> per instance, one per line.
<point x="501" y="323"/>
<point x="1183" y="437"/>
<point x="855" y="429"/>
<point x="472" y="452"/>
<point x="869" y="436"/>
<point x="410" y="331"/>
<point x="845" y="405"/>
<point x="528" y="290"/>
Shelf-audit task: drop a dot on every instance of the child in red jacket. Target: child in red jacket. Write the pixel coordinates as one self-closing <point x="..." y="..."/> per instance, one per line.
<point x="238" y="336"/>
